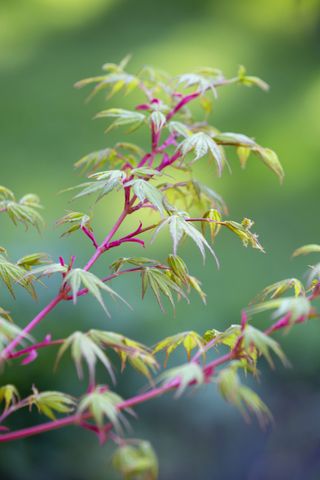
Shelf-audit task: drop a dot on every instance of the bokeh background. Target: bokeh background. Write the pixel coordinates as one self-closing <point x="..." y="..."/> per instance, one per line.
<point x="45" y="125"/>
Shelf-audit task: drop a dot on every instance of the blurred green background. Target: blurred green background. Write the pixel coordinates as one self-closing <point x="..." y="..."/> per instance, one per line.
<point x="45" y="125"/>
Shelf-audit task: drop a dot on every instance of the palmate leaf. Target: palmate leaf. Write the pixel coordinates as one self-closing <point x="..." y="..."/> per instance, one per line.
<point x="157" y="120"/>
<point x="78" y="278"/>
<point x="114" y="80"/>
<point x="11" y="273"/>
<point x="34" y="259"/>
<point x="242" y="397"/>
<point x="190" y="373"/>
<point x="135" y="261"/>
<point x="23" y="211"/>
<point x="83" y="347"/>
<point x="136" y="461"/>
<point x="179" y="228"/>
<point x="242" y="230"/>
<point x="104" y="183"/>
<point x="202" y="144"/>
<point x="122" y="118"/>
<point x="180" y="129"/>
<point x="9" y="331"/>
<point x="306" y="249"/>
<point x="146" y="191"/>
<point x="263" y="344"/>
<point x="295" y="306"/>
<point x="9" y="395"/>
<point x="51" y="402"/>
<point x="189" y="340"/>
<point x="138" y="355"/>
<point x="46" y="270"/>
<point x="229" y="337"/>
<point x="202" y="80"/>
<point x="102" y="405"/>
<point x="279" y="288"/>
<point x="75" y="221"/>
<point x="161" y="284"/>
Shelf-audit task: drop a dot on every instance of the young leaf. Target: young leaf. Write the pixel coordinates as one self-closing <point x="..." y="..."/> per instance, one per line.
<point x="29" y="261"/>
<point x="241" y="396"/>
<point x="179" y="227"/>
<point x="179" y="128"/>
<point x="295" y="306"/>
<point x="122" y="117"/>
<point x="249" y="80"/>
<point x="85" y="348"/>
<point x="104" y="183"/>
<point x="306" y="249"/>
<point x="157" y="120"/>
<point x="202" y="144"/>
<point x="189" y="340"/>
<point x="76" y="221"/>
<point x="9" y="331"/>
<point x="78" y="277"/>
<point x="263" y="344"/>
<point x="244" y="233"/>
<point x="96" y="160"/>
<point x="279" y="288"/>
<point x="186" y="374"/>
<point x="160" y="283"/>
<point x="50" y="402"/>
<point x="136" y="461"/>
<point x="11" y="273"/>
<point x="103" y="405"/>
<point x="9" y="395"/>
<point x="136" y="261"/>
<point x="46" y="270"/>
<point x="270" y="159"/>
<point x="146" y="191"/>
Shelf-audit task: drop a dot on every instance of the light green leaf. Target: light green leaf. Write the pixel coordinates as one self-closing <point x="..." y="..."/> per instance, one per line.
<point x="254" y="338"/>
<point x="146" y="191"/>
<point x="76" y="220"/>
<point x="244" y="233"/>
<point x="50" y="402"/>
<point x="78" y="277"/>
<point x="279" y="288"/>
<point x="11" y="273"/>
<point x="189" y="340"/>
<point x="185" y="374"/>
<point x="295" y="306"/>
<point x="202" y="144"/>
<point x="137" y="460"/>
<point x="306" y="249"/>
<point x="157" y="120"/>
<point x="161" y="284"/>
<point x="9" y="395"/>
<point x="122" y="118"/>
<point x="271" y="160"/>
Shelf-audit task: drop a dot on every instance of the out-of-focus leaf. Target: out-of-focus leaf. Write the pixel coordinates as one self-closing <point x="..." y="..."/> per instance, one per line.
<point x="104" y="183"/>
<point x="279" y="288"/>
<point x="9" y="331"/>
<point x="122" y="118"/>
<point x="295" y="306"/>
<point x="137" y="460"/>
<point x="23" y="211"/>
<point x="136" y="261"/>
<point x="32" y="260"/>
<point x="179" y="128"/>
<point x="306" y="249"/>
<point x="186" y="374"/>
<point x="76" y="220"/>
<point x="9" y="395"/>
<point x="249" y="80"/>
<point x="102" y="405"/>
<point x="50" y="402"/>
<point x="263" y="344"/>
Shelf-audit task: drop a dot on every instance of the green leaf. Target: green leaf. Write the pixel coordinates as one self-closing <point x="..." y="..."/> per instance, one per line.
<point x="136" y="461"/>
<point x="50" y="402"/>
<point x="122" y="118"/>
<point x="270" y="159"/>
<point x="180" y="129"/>
<point x="96" y="160"/>
<point x="32" y="260"/>
<point x="9" y="395"/>
<point x="279" y="288"/>
<point x="214" y="225"/>
<point x="104" y="183"/>
<point x="157" y="120"/>
<point x="76" y="220"/>
<point x="138" y="355"/>
<point x="306" y="249"/>
<point x="46" y="270"/>
<point x="11" y="273"/>
<point x="83" y="347"/>
<point x="229" y="337"/>
<point x="146" y="191"/>
<point x="314" y="275"/>
<point x="103" y="405"/>
<point x="295" y="306"/>
<point x="23" y="211"/>
<point x="244" y="233"/>
<point x="237" y="139"/>
<point x="263" y="344"/>
<point x="203" y="80"/>
<point x="136" y="261"/>
<point x="9" y="331"/>
<point x="249" y="80"/>
<point x="161" y="284"/>
<point x="185" y="374"/>
<point x="202" y="144"/>
<point x="241" y="396"/>
<point x="78" y="277"/>
<point x="179" y="227"/>
<point x="189" y="340"/>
